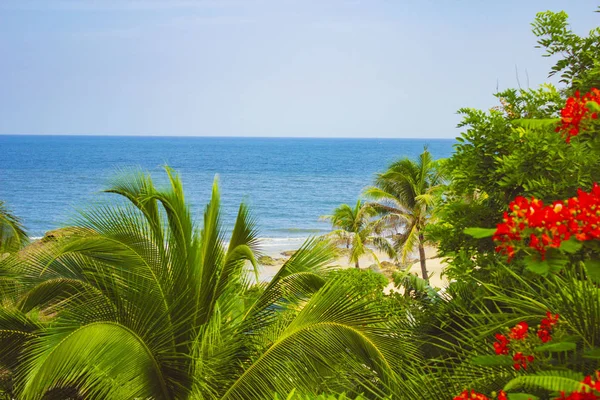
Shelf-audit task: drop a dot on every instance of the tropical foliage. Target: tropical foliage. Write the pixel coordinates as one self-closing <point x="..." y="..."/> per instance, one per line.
<point x="138" y="301"/>
<point x="12" y="233"/>
<point x="405" y="195"/>
<point x="357" y="231"/>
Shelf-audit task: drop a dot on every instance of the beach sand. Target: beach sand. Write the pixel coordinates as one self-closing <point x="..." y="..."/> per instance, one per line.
<point x="435" y="265"/>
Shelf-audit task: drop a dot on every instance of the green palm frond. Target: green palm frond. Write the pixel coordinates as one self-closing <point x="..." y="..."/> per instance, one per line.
<point x="12" y="233"/>
<point x="139" y="274"/>
<point x="404" y="198"/>
<point x="554" y="381"/>
<point x="356" y="228"/>
<point x="406" y="244"/>
<point x="17" y="331"/>
<point x="331" y="323"/>
<point x="63" y="358"/>
<point x="300" y="276"/>
<point x="385" y="246"/>
<point x="384" y="199"/>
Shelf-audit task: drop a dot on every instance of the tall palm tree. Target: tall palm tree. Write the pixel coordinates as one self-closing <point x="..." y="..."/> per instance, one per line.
<point x="139" y="302"/>
<point x="404" y="197"/>
<point x="357" y="230"/>
<point x="12" y="233"/>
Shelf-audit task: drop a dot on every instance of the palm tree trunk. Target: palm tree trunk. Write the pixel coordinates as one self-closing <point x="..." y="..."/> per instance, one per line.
<point x="422" y="257"/>
<point x="356" y="264"/>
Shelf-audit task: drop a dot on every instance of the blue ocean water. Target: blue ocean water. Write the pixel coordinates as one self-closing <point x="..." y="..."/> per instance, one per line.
<point x="288" y="182"/>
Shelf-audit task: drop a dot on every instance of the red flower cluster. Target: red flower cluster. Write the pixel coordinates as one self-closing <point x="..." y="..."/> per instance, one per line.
<point x="521" y="360"/>
<point x="473" y="395"/>
<point x="549" y="225"/>
<point x="519" y="332"/>
<point x="501" y="346"/>
<point x="575" y="111"/>
<point x="589" y="391"/>
<point x="546" y="326"/>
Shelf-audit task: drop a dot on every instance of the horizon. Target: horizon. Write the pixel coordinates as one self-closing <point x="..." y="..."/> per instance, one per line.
<point x="224" y="136"/>
<point x="264" y="68"/>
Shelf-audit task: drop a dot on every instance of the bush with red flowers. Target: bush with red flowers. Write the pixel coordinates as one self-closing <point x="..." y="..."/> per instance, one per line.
<point x="527" y="173"/>
<point x="547" y="226"/>
<point x="579" y="113"/>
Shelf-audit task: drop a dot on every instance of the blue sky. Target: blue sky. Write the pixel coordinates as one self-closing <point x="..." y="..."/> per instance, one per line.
<point x="336" y="68"/>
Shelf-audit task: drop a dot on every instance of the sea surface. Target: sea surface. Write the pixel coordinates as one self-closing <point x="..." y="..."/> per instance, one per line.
<point x="288" y="182"/>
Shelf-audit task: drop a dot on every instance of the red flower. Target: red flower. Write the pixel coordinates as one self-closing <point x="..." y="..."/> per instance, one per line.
<point x="521" y="360"/>
<point x="544" y="335"/>
<point x="550" y="320"/>
<point x="470" y="395"/>
<point x="547" y="226"/>
<point x="590" y="390"/>
<point x="595" y="385"/>
<point x="546" y="326"/>
<point x="576" y="112"/>
<point x="473" y="395"/>
<point x="501" y="346"/>
<point x="519" y="331"/>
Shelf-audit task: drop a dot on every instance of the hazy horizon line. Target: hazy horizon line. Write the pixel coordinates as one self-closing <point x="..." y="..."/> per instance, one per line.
<point x="227" y="136"/>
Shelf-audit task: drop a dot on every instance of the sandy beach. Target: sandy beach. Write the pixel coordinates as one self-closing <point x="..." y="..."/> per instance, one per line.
<point x="279" y="253"/>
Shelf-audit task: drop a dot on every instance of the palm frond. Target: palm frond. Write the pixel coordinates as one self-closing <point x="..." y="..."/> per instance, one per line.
<point x="12" y="233"/>
<point x="84" y="358"/>
<point x="330" y="324"/>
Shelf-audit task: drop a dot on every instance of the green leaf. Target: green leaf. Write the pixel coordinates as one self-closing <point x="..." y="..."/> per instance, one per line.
<point x="593" y="269"/>
<point x="480" y="233"/>
<point x="556" y="347"/>
<point x="571" y="246"/>
<point x="102" y="345"/>
<point x="554" y="262"/>
<point x="521" y="396"/>
<point x="540" y="267"/>
<point x="592" y="353"/>
<point x="570" y="338"/>
<point x="536" y="123"/>
<point x="491" y="360"/>
<point x="557" y="263"/>
<point x="593" y="106"/>
<point x="557" y="381"/>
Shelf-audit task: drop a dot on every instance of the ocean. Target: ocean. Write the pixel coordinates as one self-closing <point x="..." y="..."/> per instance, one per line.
<point x="288" y="182"/>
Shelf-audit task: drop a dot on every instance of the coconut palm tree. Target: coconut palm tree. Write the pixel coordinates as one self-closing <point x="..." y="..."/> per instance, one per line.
<point x="404" y="196"/>
<point x="139" y="302"/>
<point x="12" y="233"/>
<point x="357" y="230"/>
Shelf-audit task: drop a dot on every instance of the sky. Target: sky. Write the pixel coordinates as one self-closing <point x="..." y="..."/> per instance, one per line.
<point x="286" y="68"/>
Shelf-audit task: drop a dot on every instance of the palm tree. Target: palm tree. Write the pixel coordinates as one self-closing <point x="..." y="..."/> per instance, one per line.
<point x="12" y="233"/>
<point x="357" y="230"/>
<point x="138" y="302"/>
<point x="405" y="195"/>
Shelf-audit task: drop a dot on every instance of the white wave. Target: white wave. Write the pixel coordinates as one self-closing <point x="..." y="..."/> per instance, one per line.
<point x="281" y="241"/>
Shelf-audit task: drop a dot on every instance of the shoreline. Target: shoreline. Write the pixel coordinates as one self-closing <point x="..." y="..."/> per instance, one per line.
<point x="279" y="253"/>
<point x="275" y="251"/>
